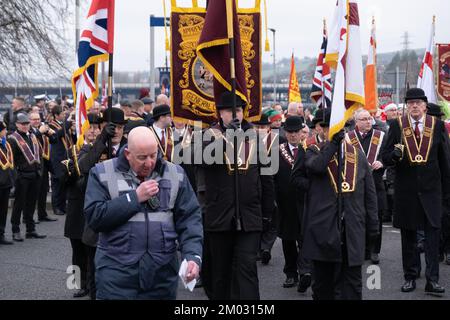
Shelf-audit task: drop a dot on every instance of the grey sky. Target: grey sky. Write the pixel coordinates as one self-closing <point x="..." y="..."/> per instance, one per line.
<point x="298" y="25"/>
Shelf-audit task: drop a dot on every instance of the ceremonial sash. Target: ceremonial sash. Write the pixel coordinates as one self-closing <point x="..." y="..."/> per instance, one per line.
<point x="45" y="147"/>
<point x="31" y="156"/>
<point x="6" y="160"/>
<point x="350" y="170"/>
<point x="417" y="154"/>
<point x="166" y="150"/>
<point x="245" y="152"/>
<point x="270" y="139"/>
<point x="375" y="144"/>
<point x="286" y="155"/>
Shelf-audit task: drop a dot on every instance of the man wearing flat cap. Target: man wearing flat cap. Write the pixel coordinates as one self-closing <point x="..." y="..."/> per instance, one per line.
<point x="162" y="129"/>
<point x="27" y="161"/>
<point x="418" y="146"/>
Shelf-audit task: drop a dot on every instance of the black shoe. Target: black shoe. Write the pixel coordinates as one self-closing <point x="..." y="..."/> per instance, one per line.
<point x="265" y="257"/>
<point x="35" y="222"/>
<point x="290" y="282"/>
<point x="409" y="285"/>
<point x="17" y="237"/>
<point x="59" y="212"/>
<point x="434" y="288"/>
<point x="4" y="241"/>
<point x="305" y="283"/>
<point x="35" y="235"/>
<point x="81" y="293"/>
<point x="48" y="219"/>
<point x="375" y="258"/>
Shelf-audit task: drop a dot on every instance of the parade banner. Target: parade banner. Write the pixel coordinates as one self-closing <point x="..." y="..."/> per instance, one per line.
<point x="443" y="83"/>
<point x="192" y="97"/>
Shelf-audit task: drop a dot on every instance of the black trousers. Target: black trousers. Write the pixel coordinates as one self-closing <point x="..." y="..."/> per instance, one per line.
<point x="375" y="247"/>
<point x="43" y="190"/>
<point x="4" y="200"/>
<point x="269" y="236"/>
<point x="90" y="267"/>
<point x="411" y="256"/>
<point x="232" y="264"/>
<point x="79" y="258"/>
<point x="295" y="263"/>
<point x="58" y="194"/>
<point x="337" y="281"/>
<point x="24" y="201"/>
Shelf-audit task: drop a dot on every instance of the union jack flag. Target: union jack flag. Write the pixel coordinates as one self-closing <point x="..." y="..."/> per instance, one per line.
<point x="96" y="43"/>
<point x="321" y="91"/>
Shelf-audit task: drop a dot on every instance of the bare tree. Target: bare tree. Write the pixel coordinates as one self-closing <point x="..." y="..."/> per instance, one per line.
<point x="33" y="39"/>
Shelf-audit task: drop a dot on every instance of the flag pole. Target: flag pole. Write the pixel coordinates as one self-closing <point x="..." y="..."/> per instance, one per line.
<point x="229" y="7"/>
<point x="110" y="78"/>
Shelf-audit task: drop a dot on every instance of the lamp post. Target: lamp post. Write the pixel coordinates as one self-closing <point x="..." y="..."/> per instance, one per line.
<point x="274" y="68"/>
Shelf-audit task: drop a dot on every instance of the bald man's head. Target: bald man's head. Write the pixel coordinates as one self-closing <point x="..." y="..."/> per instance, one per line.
<point x="162" y="99"/>
<point x="142" y="151"/>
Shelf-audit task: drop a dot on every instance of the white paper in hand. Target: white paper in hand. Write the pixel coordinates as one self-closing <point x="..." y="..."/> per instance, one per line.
<point x="182" y="274"/>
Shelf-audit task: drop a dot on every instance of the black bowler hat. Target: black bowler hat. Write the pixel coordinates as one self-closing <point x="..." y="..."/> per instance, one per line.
<point x="226" y="101"/>
<point x="416" y="94"/>
<point x="117" y="116"/>
<point x="294" y="123"/>
<point x="263" y="121"/>
<point x="434" y="110"/>
<point x="161" y="110"/>
<point x="326" y="118"/>
<point x="94" y="119"/>
<point x="318" y="117"/>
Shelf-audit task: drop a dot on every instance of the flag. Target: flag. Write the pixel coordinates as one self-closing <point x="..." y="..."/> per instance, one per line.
<point x="96" y="43"/>
<point x="426" y="75"/>
<point x="321" y="87"/>
<point x="213" y="49"/>
<point x="349" y="84"/>
<point x="294" y="91"/>
<point x="371" y="88"/>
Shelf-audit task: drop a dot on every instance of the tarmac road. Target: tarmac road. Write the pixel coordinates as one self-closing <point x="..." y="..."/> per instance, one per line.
<point x="36" y="270"/>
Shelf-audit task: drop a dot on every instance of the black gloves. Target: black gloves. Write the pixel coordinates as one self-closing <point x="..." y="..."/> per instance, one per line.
<point x="338" y="137"/>
<point x="266" y="224"/>
<point x="108" y="131"/>
<point x="234" y="124"/>
<point x="397" y="154"/>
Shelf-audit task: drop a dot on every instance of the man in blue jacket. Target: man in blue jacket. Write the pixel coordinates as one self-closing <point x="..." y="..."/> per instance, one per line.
<point x="142" y="205"/>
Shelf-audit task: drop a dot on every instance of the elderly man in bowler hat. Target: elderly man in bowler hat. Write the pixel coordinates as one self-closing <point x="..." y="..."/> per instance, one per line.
<point x="417" y="145"/>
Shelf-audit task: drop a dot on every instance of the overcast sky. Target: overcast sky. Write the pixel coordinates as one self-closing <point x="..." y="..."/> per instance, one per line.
<point x="298" y="25"/>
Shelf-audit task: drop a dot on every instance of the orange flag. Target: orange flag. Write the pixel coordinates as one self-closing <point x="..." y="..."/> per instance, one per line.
<point x="294" y="90"/>
<point x="371" y="88"/>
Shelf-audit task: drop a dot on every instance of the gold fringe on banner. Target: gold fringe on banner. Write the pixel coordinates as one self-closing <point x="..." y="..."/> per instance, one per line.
<point x="267" y="46"/>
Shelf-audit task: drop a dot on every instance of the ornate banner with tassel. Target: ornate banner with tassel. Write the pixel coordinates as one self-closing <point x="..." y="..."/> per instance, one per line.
<point x="192" y="96"/>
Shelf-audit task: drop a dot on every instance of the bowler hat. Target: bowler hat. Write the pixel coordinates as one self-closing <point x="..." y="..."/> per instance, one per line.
<point x="326" y="118"/>
<point x="94" y="119"/>
<point x="160" y="110"/>
<point x="294" y="123"/>
<point x="226" y="101"/>
<point x="116" y="116"/>
<point x="434" y="110"/>
<point x="263" y="121"/>
<point x="22" y="118"/>
<point x="416" y="94"/>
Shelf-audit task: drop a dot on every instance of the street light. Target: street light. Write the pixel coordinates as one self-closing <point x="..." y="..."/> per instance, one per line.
<point x="274" y="69"/>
